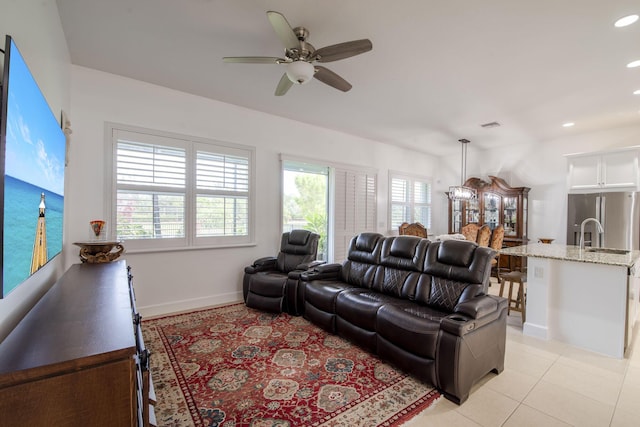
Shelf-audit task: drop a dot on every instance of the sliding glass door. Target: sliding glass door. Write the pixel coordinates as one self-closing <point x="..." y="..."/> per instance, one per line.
<point x="305" y="190"/>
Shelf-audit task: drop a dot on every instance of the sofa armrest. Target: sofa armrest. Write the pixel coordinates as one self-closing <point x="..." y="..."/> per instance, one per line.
<point x="261" y="264"/>
<point x="322" y="272"/>
<point x="473" y="314"/>
<point x="309" y="265"/>
<point x="471" y="347"/>
<point x="479" y="306"/>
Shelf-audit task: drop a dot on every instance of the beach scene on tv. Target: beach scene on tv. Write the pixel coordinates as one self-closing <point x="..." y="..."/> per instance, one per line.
<point x="33" y="181"/>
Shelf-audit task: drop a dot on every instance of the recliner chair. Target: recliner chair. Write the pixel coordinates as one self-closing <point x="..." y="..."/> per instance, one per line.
<point x="270" y="283"/>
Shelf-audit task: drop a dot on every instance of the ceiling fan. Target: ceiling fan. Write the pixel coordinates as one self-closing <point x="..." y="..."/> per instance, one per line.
<point x="299" y="56"/>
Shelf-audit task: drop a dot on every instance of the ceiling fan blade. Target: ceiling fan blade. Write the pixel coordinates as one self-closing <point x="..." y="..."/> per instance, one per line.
<point x="283" y="30"/>
<point x="284" y="85"/>
<point x="343" y="50"/>
<point x="253" y="59"/>
<point x="327" y="76"/>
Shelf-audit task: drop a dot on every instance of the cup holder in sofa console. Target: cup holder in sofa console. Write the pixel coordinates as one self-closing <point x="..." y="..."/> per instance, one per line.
<point x="457" y="318"/>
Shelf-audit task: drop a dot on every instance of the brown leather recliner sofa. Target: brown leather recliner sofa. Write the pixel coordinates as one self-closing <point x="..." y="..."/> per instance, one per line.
<point x="421" y="305"/>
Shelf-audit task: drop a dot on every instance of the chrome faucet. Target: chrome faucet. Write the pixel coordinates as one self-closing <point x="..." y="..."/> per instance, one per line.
<point x="600" y="230"/>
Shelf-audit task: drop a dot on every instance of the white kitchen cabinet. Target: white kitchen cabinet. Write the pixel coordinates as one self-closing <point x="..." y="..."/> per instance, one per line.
<point x="604" y="171"/>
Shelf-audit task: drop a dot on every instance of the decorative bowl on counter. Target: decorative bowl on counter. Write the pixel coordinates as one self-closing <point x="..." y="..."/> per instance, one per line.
<point x="545" y="240"/>
<point x="98" y="252"/>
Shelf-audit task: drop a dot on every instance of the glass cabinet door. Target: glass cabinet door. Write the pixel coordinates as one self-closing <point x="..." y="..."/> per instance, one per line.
<point x="511" y="216"/>
<point x="473" y="211"/>
<point x="456" y="216"/>
<point x="491" y="209"/>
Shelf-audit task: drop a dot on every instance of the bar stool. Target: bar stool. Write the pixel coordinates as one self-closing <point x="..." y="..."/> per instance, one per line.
<point x="517" y="304"/>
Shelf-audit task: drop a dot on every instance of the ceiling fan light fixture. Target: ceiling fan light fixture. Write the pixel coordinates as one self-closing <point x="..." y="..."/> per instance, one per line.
<point x="300" y="72"/>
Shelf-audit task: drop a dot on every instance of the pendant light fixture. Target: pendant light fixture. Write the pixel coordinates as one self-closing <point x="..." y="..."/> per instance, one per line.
<point x="460" y="192"/>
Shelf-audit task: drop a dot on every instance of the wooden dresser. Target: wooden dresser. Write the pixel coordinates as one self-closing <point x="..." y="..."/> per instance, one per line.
<point x="77" y="358"/>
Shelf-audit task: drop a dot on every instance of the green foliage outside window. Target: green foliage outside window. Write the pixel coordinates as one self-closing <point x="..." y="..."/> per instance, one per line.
<point x="308" y="208"/>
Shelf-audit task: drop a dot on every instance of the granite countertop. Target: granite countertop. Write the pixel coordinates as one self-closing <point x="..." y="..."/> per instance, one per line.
<point x="572" y="253"/>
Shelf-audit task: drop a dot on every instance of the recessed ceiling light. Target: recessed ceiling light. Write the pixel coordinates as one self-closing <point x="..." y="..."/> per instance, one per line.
<point x="568" y="124"/>
<point x="626" y="20"/>
<point x="636" y="92"/>
<point x="634" y="64"/>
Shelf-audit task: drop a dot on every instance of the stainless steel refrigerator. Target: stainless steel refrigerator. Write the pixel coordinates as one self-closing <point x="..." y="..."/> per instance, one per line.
<point x="617" y="212"/>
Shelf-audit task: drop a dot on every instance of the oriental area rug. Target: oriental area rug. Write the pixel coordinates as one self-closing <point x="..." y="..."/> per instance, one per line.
<point x="234" y="366"/>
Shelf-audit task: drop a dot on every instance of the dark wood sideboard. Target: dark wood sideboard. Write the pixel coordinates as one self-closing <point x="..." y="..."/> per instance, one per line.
<point x="78" y="357"/>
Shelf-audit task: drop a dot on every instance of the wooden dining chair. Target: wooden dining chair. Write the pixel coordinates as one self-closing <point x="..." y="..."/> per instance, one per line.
<point x="484" y="235"/>
<point x="414" y="229"/>
<point x="470" y="231"/>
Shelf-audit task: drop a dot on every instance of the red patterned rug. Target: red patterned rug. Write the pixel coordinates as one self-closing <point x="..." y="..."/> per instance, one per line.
<point x="235" y="366"/>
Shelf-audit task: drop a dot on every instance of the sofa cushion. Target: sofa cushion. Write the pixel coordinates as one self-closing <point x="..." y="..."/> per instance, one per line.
<point x="322" y="294"/>
<point x="404" y="252"/>
<point x="362" y="259"/>
<point x="268" y="283"/>
<point x="297" y="247"/>
<point x="365" y="247"/>
<point x="457" y="253"/>
<point x="459" y="260"/>
<point x="358" y="274"/>
<point x="445" y="293"/>
<point x="456" y="271"/>
<point x="410" y="326"/>
<point x="395" y="282"/>
<point x="298" y="238"/>
<point x="360" y="306"/>
<point x="401" y="261"/>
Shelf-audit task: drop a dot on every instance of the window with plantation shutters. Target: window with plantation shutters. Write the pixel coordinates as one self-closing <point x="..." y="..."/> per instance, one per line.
<point x="175" y="191"/>
<point x="410" y="200"/>
<point x="151" y="196"/>
<point x="354" y="208"/>
<point x="222" y="202"/>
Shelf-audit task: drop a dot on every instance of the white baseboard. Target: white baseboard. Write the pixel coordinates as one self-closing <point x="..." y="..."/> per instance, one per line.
<point x="534" y="330"/>
<point x="189" y="305"/>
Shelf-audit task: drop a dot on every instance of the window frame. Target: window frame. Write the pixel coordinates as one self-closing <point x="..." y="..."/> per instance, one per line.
<point x="192" y="146"/>
<point x="411" y="203"/>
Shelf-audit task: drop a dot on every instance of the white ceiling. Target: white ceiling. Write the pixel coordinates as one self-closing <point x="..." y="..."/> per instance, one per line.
<point x="437" y="71"/>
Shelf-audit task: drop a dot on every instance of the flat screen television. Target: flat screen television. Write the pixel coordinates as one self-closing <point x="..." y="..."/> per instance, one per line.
<point x="32" y="163"/>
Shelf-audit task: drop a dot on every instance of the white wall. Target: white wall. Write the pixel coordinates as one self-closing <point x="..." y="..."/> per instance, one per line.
<point x="178" y="280"/>
<point x="36" y="30"/>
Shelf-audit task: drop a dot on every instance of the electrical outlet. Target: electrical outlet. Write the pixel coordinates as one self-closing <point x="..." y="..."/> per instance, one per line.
<point x="538" y="272"/>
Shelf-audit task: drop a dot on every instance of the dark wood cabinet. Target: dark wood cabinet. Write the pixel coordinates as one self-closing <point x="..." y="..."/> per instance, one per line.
<point x="75" y="359"/>
<point x="497" y="203"/>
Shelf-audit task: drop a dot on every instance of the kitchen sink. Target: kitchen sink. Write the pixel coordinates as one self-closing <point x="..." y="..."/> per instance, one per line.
<point x="608" y="251"/>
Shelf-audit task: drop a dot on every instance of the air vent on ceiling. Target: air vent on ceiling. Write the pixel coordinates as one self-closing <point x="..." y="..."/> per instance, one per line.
<point x="490" y="125"/>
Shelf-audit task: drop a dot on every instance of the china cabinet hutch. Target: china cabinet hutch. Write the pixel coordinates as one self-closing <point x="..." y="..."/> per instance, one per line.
<point x="497" y="203"/>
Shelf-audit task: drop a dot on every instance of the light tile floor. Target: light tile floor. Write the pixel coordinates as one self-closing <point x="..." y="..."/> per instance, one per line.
<point x="547" y="383"/>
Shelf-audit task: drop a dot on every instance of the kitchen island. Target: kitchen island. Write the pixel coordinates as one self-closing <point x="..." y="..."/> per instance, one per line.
<point x="583" y="298"/>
